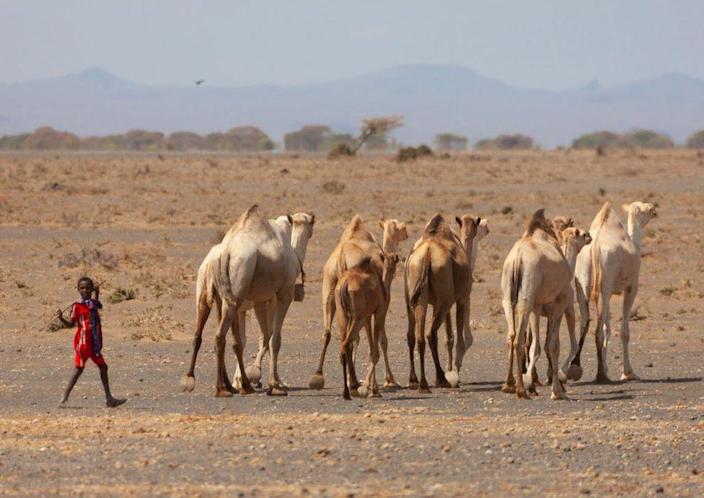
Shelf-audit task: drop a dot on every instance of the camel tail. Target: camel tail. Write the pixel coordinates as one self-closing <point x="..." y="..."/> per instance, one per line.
<point x="221" y="279"/>
<point x="423" y="281"/>
<point x="345" y="304"/>
<point x="516" y="279"/>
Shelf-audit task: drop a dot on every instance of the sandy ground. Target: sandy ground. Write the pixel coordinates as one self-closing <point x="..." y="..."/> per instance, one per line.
<point x="143" y="223"/>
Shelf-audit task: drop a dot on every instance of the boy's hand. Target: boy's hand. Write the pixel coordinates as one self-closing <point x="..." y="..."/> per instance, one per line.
<point x="59" y="314"/>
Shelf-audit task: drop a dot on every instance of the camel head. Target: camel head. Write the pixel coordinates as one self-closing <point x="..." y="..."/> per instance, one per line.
<point x="559" y="223"/>
<point x="394" y="232"/>
<point x="576" y="236"/>
<point x="643" y="211"/>
<point x="468" y="228"/>
<point x="539" y="222"/>
<point x="302" y="231"/>
<point x="482" y="229"/>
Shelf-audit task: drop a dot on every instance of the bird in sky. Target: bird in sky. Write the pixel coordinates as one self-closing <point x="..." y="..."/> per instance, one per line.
<point x="199" y="82"/>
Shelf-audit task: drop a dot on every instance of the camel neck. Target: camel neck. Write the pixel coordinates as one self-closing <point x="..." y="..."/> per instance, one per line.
<point x="388" y="245"/>
<point x="387" y="278"/>
<point x="473" y="254"/>
<point x="300" y="245"/>
<point x="470" y="251"/>
<point x="570" y="252"/>
<point x="635" y="232"/>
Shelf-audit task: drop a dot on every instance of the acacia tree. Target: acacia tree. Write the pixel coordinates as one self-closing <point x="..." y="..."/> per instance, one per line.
<point x="375" y="127"/>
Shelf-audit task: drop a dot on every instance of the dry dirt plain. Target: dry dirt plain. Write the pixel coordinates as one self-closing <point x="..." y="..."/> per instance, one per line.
<point x="144" y="222"/>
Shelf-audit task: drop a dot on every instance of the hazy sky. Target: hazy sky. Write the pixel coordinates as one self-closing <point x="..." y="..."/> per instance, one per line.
<point x="543" y="44"/>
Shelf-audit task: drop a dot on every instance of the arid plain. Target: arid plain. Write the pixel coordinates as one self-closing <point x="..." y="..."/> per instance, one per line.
<point x="144" y="222"/>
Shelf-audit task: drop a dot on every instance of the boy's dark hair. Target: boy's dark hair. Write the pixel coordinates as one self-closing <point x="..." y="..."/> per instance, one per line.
<point x="85" y="279"/>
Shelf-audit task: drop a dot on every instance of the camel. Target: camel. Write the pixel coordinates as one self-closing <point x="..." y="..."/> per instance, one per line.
<point x="610" y="266"/>
<point x="355" y="244"/>
<point x="572" y="240"/>
<point x="256" y="264"/>
<point x="207" y="296"/>
<point x="361" y="295"/>
<point x="438" y="272"/>
<point x="535" y="279"/>
<point x="482" y="231"/>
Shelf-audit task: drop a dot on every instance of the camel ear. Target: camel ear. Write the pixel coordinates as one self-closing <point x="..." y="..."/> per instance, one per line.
<point x="290" y="219"/>
<point x="402" y="229"/>
<point x="570" y="222"/>
<point x="381" y="223"/>
<point x="312" y="219"/>
<point x="459" y="221"/>
<point x="479" y="220"/>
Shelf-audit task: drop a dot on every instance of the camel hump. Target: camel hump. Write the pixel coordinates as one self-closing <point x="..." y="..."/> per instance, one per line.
<point x="354" y="229"/>
<point x="250" y="218"/>
<point x="435" y="225"/>
<point x="537" y="221"/>
<point x="603" y="215"/>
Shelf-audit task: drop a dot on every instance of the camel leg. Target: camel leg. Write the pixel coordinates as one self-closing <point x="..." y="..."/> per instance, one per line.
<point x="603" y="331"/>
<point x="574" y="372"/>
<point x="238" y="348"/>
<point x="317" y="381"/>
<point x="411" y="339"/>
<point x="377" y="335"/>
<point x="523" y="312"/>
<point x="202" y="313"/>
<point x="449" y="340"/>
<point x="389" y="380"/>
<point x="553" y="353"/>
<point x="348" y="333"/>
<point x="570" y="318"/>
<point x="373" y="336"/>
<point x="509" y="385"/>
<point x="241" y="327"/>
<point x="283" y="303"/>
<point x="462" y="343"/>
<point x="343" y="361"/>
<point x="420" y="312"/>
<point x="439" y="316"/>
<point x="534" y="354"/>
<point x="352" y="371"/>
<point x="628" y="298"/>
<point x="254" y="370"/>
<point x="228" y="315"/>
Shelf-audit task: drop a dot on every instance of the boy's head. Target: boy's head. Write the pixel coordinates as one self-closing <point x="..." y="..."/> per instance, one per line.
<point x="85" y="287"/>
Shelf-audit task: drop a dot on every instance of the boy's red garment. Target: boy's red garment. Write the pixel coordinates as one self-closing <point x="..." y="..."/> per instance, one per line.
<point x="81" y="313"/>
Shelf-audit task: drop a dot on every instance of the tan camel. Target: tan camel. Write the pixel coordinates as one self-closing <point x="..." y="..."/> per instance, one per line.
<point x="535" y="279"/>
<point x="207" y="297"/>
<point x="482" y="231"/>
<point x="611" y="266"/>
<point x="256" y="264"/>
<point x="363" y="300"/>
<point x="355" y="244"/>
<point x="572" y="241"/>
<point x="438" y="273"/>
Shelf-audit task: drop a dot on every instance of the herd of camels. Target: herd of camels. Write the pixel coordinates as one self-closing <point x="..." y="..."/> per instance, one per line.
<point x="259" y="262"/>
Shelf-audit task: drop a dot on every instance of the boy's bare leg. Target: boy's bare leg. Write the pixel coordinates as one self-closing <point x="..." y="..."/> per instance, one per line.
<point x="110" y="401"/>
<point x="71" y="382"/>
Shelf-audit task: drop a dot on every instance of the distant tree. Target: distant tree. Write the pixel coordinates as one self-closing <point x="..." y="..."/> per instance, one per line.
<point x="333" y="140"/>
<point x="248" y="139"/>
<point x="506" y="142"/>
<point x="13" y="142"/>
<point x="696" y="140"/>
<point x="378" y="142"/>
<point x="142" y="140"/>
<point x="377" y="127"/>
<point x="647" y="139"/>
<point x="107" y="142"/>
<point x="185" y="140"/>
<point x="598" y="139"/>
<point x="309" y="138"/>
<point x="47" y="138"/>
<point x="450" y="141"/>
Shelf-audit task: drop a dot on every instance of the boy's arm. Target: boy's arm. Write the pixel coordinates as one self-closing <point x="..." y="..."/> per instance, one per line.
<point x="67" y="323"/>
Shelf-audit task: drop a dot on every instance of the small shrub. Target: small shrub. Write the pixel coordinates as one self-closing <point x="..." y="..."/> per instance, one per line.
<point x="696" y="140"/>
<point x="341" y="150"/>
<point x="506" y="142"/>
<point x="120" y="294"/>
<point x="411" y="153"/>
<point x="334" y="187"/>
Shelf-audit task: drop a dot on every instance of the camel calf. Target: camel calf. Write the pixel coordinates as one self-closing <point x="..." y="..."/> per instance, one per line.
<point x="361" y="295"/>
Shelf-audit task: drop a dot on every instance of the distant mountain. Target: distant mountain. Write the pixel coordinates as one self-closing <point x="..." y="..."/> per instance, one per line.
<point x="431" y="98"/>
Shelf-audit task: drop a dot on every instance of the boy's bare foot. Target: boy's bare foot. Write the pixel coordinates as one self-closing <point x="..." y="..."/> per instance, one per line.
<point x="113" y="402"/>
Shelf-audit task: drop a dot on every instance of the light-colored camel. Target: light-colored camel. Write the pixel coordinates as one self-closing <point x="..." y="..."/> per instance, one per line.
<point x="255" y="264"/>
<point x="572" y="240"/>
<point x="438" y="273"/>
<point x="535" y="279"/>
<point x="362" y="297"/>
<point x="482" y="231"/>
<point x="611" y="265"/>
<point x="355" y="244"/>
<point x="207" y="297"/>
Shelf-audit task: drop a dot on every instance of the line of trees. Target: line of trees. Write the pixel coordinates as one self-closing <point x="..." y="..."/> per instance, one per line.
<point x="374" y="135"/>
<point x="238" y="139"/>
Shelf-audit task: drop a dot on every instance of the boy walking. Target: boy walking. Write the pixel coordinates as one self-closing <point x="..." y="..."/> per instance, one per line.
<point x="88" y="340"/>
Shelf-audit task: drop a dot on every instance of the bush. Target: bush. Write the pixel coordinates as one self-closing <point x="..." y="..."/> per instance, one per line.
<point x="413" y="153"/>
<point x="341" y="150"/>
<point x="647" y="139"/>
<point x="450" y="141"/>
<point x="47" y="138"/>
<point x="505" y="142"/>
<point x="596" y="140"/>
<point x="696" y="140"/>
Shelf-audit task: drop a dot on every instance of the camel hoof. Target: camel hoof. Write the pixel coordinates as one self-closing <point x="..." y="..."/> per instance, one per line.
<point x="254" y="373"/>
<point x="602" y="379"/>
<point x="346" y="395"/>
<point x="363" y="392"/>
<point x="561" y="375"/>
<point x="317" y="381"/>
<point x="441" y="382"/>
<point x="522" y="394"/>
<point x="413" y="384"/>
<point x="559" y="396"/>
<point x="532" y="390"/>
<point x="536" y="381"/>
<point x="391" y="384"/>
<point x="574" y="372"/>
<point x="424" y="390"/>
<point x="248" y="389"/>
<point x="223" y="393"/>
<point x="276" y="391"/>
<point x="354" y="392"/>
<point x="187" y="383"/>
<point x="453" y="378"/>
<point x="625" y="377"/>
<point x="527" y="379"/>
<point x="508" y="388"/>
<point x="375" y="394"/>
